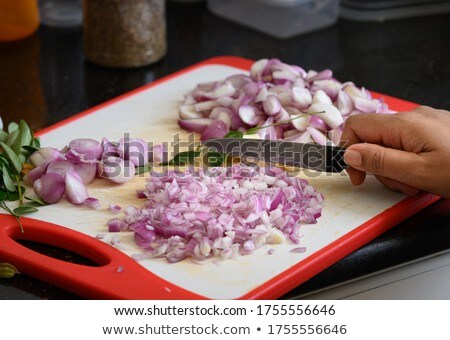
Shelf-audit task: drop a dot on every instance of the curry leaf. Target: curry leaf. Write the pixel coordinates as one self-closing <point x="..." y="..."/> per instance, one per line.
<point x="15" y="162"/>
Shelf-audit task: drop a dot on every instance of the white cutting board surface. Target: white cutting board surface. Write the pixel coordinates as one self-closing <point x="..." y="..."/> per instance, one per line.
<point x="152" y="114"/>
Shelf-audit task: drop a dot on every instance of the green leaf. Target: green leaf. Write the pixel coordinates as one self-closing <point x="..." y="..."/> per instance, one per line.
<point x="25" y="133"/>
<point x="3" y="136"/>
<point x="7" y="181"/>
<point x="234" y="134"/>
<point x="24" y="210"/>
<point x="13" y="196"/>
<point x="143" y="169"/>
<point x="183" y="158"/>
<point x="3" y="195"/>
<point x="15" y="162"/>
<point x="30" y="149"/>
<point x="35" y="202"/>
<point x="12" y="127"/>
<point x="13" y="138"/>
<point x="35" y="143"/>
<point x="214" y="158"/>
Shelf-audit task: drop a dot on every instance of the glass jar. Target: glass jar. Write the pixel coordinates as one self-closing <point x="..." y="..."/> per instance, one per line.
<point x="18" y="19"/>
<point x="124" y="33"/>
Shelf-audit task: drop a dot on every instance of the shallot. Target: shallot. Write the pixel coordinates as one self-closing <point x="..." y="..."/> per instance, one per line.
<point x="276" y="90"/>
<point x="219" y="212"/>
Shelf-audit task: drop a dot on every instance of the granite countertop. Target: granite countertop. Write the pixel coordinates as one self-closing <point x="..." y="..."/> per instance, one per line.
<point x="45" y="79"/>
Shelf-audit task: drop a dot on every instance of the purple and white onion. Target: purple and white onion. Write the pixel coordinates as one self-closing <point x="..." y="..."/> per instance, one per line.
<point x="275" y="89"/>
<point x="219" y="212"/>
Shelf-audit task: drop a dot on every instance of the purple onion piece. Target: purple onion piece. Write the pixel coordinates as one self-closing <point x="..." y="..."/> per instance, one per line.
<point x="92" y="202"/>
<point x="114" y="208"/>
<point x="134" y="150"/>
<point x="89" y="150"/>
<point x="195" y="125"/>
<point x="158" y="153"/>
<point x="45" y="156"/>
<point x="217" y="129"/>
<point x="76" y="192"/>
<point x="117" y="170"/>
<point x="35" y="174"/>
<point x="50" y="187"/>
<point x="87" y="172"/>
<point x="60" y="168"/>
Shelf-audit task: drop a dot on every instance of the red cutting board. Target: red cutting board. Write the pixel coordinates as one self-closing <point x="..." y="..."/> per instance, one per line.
<point x="352" y="216"/>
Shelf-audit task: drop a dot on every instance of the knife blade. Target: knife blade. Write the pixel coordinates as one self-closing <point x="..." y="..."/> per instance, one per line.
<point x="325" y="158"/>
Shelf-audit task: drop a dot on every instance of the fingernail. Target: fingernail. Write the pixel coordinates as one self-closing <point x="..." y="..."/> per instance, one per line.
<point x="353" y="158"/>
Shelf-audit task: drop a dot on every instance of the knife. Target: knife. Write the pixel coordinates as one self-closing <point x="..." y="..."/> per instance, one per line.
<point x="325" y="158"/>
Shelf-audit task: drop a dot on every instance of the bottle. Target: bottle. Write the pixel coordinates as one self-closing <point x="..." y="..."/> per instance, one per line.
<point x="121" y="33"/>
<point x="18" y="19"/>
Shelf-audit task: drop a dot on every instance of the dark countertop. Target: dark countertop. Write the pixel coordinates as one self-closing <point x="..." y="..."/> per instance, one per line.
<point x="44" y="79"/>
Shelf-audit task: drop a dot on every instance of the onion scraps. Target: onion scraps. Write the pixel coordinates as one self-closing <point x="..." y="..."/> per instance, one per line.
<point x="219" y="212"/>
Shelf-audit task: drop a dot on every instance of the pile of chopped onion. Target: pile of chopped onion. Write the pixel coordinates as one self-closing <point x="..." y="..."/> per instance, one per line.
<point x="66" y="173"/>
<point x="277" y="92"/>
<point x="220" y="212"/>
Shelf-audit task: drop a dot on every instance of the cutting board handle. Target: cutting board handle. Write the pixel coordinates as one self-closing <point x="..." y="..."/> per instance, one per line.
<point x="117" y="276"/>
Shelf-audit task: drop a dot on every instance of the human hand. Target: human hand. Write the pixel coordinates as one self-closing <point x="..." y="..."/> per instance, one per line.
<point x="407" y="151"/>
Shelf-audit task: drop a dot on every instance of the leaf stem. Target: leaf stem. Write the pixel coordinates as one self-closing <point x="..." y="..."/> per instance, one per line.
<point x="6" y="208"/>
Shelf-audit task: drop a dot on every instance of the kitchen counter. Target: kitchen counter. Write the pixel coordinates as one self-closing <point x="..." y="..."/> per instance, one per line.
<point x="44" y="79"/>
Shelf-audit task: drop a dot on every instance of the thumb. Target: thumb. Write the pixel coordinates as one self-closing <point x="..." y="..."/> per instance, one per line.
<point x="390" y="163"/>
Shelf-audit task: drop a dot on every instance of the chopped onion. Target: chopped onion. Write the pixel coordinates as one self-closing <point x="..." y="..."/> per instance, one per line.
<point x="217" y="129"/>
<point x="92" y="202"/>
<point x="114" y="208"/>
<point x="195" y="125"/>
<point x="234" y="211"/>
<point x="276" y="89"/>
<point x="298" y="250"/>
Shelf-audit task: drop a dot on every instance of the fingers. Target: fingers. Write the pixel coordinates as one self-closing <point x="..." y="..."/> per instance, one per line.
<point x="398" y="186"/>
<point x="395" y="164"/>
<point x="373" y="128"/>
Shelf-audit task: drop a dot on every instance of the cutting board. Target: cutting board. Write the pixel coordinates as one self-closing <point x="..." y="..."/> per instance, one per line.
<point x="352" y="216"/>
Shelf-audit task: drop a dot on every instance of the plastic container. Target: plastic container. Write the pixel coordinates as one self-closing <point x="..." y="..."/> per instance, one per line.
<point x="18" y="19"/>
<point x="120" y="33"/>
<point x="61" y="13"/>
<point x="382" y="10"/>
<point x="278" y="18"/>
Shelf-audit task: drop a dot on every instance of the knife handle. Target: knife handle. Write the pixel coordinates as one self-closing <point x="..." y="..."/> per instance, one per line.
<point x="117" y="276"/>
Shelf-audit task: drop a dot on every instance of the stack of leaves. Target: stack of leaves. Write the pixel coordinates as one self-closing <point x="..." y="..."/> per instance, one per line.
<point x="16" y="146"/>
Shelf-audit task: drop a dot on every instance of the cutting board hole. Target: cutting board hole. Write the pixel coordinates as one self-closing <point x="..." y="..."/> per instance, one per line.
<point x="58" y="253"/>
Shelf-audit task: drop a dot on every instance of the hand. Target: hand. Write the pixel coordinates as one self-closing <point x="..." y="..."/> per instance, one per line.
<point x="407" y="151"/>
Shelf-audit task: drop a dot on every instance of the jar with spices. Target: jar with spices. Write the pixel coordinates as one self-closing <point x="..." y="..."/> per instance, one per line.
<point x="124" y="33"/>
